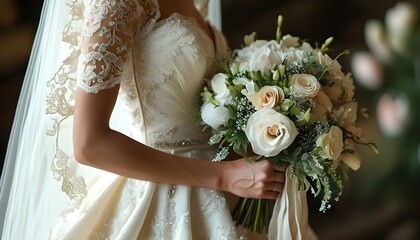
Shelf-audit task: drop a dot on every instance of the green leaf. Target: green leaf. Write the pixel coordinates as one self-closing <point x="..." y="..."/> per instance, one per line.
<point x="295" y="111"/>
<point x="286" y="105"/>
<point x="307" y="116"/>
<point x="296" y="151"/>
<point x="374" y="147"/>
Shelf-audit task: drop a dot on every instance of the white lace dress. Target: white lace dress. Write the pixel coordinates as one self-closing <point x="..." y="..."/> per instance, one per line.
<point x="160" y="66"/>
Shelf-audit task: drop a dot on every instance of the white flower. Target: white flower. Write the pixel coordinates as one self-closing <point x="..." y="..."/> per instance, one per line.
<point x="376" y="41"/>
<point x="326" y="60"/>
<point x="250" y="86"/>
<point x="260" y="55"/>
<point x="367" y="70"/>
<point x="267" y="96"/>
<point x="331" y="144"/>
<point x="289" y="41"/>
<point x="304" y="85"/>
<point x="345" y="114"/>
<point x="214" y="116"/>
<point x="341" y="88"/>
<point x="222" y="92"/>
<point x="270" y="132"/>
<point x="399" y="21"/>
<point x="264" y="59"/>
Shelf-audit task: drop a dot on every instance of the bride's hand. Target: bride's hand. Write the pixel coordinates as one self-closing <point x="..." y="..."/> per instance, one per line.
<point x="255" y="179"/>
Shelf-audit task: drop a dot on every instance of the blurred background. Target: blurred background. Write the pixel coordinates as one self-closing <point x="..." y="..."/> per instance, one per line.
<point x="382" y="199"/>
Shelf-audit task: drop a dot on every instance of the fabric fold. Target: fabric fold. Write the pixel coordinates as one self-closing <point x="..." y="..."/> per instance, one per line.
<point x="290" y="214"/>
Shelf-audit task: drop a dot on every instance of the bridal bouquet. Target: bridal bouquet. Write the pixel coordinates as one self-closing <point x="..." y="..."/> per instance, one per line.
<point x="288" y="102"/>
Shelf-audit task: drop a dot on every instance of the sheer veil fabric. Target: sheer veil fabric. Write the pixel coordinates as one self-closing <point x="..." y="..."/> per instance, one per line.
<point x="41" y="182"/>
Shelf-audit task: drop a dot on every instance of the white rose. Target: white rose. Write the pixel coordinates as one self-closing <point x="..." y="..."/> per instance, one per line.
<point x="305" y="85"/>
<point x="270" y="132"/>
<point x="221" y="92"/>
<point x="267" y="96"/>
<point x="214" y="116"/>
<point x="331" y="144"/>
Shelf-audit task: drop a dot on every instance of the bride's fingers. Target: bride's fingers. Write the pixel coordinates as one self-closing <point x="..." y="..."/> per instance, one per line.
<point x="279" y="169"/>
<point x="270" y="195"/>
<point x="276" y="177"/>
<point x="275" y="187"/>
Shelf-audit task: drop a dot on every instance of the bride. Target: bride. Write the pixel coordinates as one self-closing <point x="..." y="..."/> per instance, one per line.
<point x="105" y="143"/>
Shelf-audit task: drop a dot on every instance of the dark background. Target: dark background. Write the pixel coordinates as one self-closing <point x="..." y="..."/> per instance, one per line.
<point x="369" y="208"/>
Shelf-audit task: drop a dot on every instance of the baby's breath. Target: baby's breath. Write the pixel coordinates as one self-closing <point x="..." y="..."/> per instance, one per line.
<point x="296" y="67"/>
<point x="244" y="109"/>
<point x="309" y="168"/>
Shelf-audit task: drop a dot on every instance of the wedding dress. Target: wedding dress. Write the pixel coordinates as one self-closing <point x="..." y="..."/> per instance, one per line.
<point x="160" y="66"/>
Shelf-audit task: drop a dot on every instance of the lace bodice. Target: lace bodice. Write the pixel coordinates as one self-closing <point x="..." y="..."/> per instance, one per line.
<point x="160" y="66"/>
<point x="107" y="36"/>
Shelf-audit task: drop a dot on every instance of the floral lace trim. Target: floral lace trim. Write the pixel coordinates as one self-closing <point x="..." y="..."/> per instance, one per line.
<point x="62" y="86"/>
<point x="107" y="37"/>
<point x="60" y="106"/>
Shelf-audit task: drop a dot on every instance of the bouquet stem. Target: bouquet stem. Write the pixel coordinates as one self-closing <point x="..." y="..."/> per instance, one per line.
<point x="253" y="214"/>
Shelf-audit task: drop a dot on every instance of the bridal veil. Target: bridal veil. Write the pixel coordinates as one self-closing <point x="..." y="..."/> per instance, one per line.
<point x="41" y="181"/>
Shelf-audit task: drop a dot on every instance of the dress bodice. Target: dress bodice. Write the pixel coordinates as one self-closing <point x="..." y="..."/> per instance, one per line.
<point x="169" y="65"/>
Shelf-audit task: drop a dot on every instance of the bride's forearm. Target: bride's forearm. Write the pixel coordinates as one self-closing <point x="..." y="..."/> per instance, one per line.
<point x="117" y="153"/>
<point x="96" y="145"/>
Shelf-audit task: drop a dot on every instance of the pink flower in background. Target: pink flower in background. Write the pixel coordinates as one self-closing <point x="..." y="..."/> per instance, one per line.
<point x="367" y="70"/>
<point x="392" y="114"/>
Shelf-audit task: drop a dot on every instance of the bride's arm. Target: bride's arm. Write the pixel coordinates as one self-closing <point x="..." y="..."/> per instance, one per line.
<point x="99" y="146"/>
<point x="108" y="32"/>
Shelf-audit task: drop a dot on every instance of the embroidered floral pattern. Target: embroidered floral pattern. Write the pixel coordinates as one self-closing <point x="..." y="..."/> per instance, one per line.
<point x="99" y="36"/>
<point x="60" y="106"/>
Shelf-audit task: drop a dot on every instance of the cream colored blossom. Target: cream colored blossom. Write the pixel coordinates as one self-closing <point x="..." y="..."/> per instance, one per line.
<point x="351" y="160"/>
<point x="323" y="106"/>
<point x="400" y="21"/>
<point x="345" y="114"/>
<point x="367" y="70"/>
<point x="222" y="92"/>
<point x="331" y="144"/>
<point x="214" y="116"/>
<point x="270" y="132"/>
<point x="376" y="41"/>
<point x="267" y="96"/>
<point x="304" y="85"/>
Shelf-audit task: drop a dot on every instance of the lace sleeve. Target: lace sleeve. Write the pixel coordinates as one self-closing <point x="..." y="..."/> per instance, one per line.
<point x="107" y="35"/>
